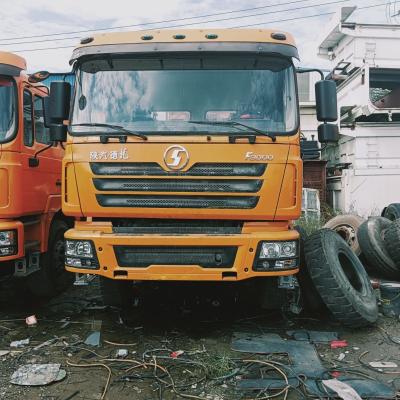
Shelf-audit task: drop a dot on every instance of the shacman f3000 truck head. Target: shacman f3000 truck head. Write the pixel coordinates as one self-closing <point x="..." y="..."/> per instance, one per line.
<point x="31" y="223"/>
<point x="183" y="159"/>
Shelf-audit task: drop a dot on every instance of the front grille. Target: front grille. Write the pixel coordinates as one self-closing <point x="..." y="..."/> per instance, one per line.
<point x="176" y="227"/>
<point x="178" y="185"/>
<point x="146" y="201"/>
<point x="203" y="256"/>
<point x="199" y="169"/>
<point x="149" y="178"/>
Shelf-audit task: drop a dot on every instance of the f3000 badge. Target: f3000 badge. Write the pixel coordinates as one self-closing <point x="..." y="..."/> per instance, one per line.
<point x="250" y="156"/>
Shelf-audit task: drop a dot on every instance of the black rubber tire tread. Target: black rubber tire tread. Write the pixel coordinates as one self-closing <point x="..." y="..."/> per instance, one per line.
<point x="373" y="247"/>
<point x="48" y="282"/>
<point x="311" y="299"/>
<point x="392" y="211"/>
<point x="351" y="307"/>
<point x="115" y="293"/>
<point x="342" y="221"/>
<point x="392" y="243"/>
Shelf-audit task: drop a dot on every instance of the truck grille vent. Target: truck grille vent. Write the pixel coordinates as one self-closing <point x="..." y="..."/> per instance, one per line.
<point x="204" y="256"/>
<point x="176" y="227"/>
<point x="140" y="180"/>
<point x="178" y="185"/>
<point x="219" y="202"/>
<point x="199" y="169"/>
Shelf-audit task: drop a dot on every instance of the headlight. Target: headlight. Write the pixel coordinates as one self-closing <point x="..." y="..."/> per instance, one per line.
<point x="79" y="248"/>
<point x="276" y="256"/>
<point x="8" y="243"/>
<point x="8" y="238"/>
<point x="273" y="250"/>
<point x="80" y="254"/>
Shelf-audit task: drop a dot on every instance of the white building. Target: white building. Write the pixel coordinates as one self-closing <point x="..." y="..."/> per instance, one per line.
<point x="364" y="168"/>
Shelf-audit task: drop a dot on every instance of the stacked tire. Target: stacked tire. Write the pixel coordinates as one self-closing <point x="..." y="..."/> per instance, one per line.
<point x="339" y="279"/>
<point x="379" y="240"/>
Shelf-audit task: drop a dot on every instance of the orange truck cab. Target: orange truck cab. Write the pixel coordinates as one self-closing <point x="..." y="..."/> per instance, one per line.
<point x="31" y="222"/>
<point x="182" y="159"/>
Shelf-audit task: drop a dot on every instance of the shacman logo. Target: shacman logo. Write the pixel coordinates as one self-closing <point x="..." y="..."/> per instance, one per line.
<point x="176" y="157"/>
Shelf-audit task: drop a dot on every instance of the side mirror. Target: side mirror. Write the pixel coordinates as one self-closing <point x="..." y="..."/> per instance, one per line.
<point x="326" y="101"/>
<point x="46" y="112"/>
<point x="58" y="133"/>
<point x="60" y="98"/>
<point x="328" y="133"/>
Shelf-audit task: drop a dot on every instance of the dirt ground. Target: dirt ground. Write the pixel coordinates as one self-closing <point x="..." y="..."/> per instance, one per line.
<point x="163" y="323"/>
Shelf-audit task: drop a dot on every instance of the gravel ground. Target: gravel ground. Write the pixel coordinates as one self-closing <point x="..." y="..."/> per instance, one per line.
<point x="161" y="323"/>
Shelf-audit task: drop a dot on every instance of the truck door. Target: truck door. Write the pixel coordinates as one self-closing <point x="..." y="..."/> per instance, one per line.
<point x="42" y="180"/>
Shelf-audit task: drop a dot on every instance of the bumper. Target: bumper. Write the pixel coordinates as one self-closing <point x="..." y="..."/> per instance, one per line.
<point x="106" y="244"/>
<point x="8" y="225"/>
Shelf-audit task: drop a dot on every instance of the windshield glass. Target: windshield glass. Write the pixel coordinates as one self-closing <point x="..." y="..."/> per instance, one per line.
<point x="7" y="109"/>
<point x="163" y="95"/>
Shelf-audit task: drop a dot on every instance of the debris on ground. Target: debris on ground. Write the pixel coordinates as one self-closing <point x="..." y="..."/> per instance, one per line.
<point x="313" y="336"/>
<point x="122" y="353"/>
<point x="337" y="344"/>
<point x="344" y="391"/>
<point x="31" y="320"/>
<point x="20" y="343"/>
<point x="37" y="374"/>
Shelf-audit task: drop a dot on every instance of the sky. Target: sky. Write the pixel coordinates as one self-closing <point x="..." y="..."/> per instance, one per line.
<point x="21" y="19"/>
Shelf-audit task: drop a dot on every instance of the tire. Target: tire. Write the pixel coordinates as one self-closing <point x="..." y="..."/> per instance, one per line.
<point x="370" y="237"/>
<point x="340" y="279"/>
<point x="392" y="243"/>
<point x="311" y="299"/>
<point x="347" y="226"/>
<point x="392" y="211"/>
<point x="52" y="278"/>
<point x="115" y="293"/>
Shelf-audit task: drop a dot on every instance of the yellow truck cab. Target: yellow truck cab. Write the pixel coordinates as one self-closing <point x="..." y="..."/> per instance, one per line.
<point x="31" y="223"/>
<point x="182" y="157"/>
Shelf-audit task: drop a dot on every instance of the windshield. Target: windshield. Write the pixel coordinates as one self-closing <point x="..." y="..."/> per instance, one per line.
<point x="7" y="109"/>
<point x="165" y="95"/>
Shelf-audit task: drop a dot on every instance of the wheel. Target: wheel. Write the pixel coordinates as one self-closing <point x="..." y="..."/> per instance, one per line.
<point x="340" y="279"/>
<point x="52" y="278"/>
<point x="392" y="243"/>
<point x="347" y="226"/>
<point x="392" y="211"/>
<point x="311" y="299"/>
<point x="115" y="293"/>
<point x="370" y="237"/>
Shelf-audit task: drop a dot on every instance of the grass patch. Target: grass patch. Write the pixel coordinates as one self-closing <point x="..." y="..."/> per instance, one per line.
<point x="312" y="224"/>
<point x="217" y="365"/>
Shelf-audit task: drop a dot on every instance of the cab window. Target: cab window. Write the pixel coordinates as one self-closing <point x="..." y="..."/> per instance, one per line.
<point x="28" y="112"/>
<point x="41" y="132"/>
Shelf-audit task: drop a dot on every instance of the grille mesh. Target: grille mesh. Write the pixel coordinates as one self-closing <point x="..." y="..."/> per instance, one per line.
<point x="178" y="185"/>
<point x="204" y="256"/>
<point x="199" y="169"/>
<point x="219" y="202"/>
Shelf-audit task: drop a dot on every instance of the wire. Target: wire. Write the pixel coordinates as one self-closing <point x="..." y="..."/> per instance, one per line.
<point x="196" y="23"/>
<point x="232" y="27"/>
<point x="155" y="22"/>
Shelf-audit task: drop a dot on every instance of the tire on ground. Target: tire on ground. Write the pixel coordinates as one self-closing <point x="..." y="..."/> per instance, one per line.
<point x="370" y="237"/>
<point x="392" y="243"/>
<point x="52" y="278"/>
<point x="311" y="299"/>
<point x="392" y="211"/>
<point x="347" y="226"/>
<point x="340" y="279"/>
<point x="115" y="293"/>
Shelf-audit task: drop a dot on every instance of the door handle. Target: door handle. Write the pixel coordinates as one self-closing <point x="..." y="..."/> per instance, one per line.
<point x="58" y="182"/>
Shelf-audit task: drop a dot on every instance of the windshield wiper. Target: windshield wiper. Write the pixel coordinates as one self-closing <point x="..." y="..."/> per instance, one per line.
<point x="235" y="124"/>
<point x="114" y="127"/>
